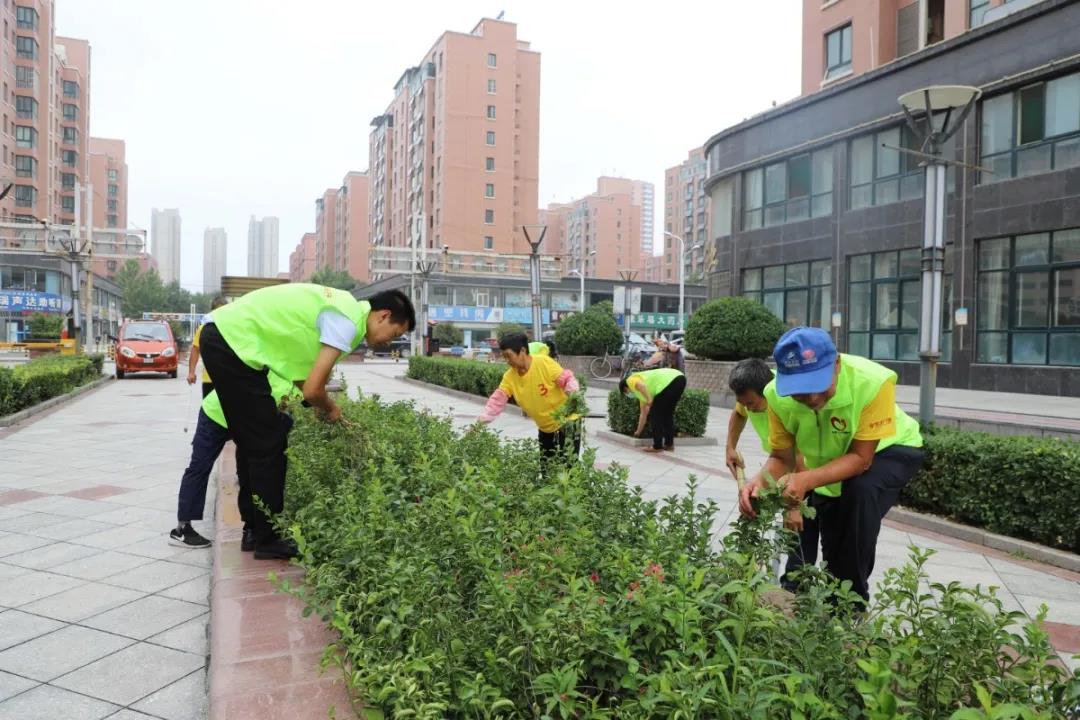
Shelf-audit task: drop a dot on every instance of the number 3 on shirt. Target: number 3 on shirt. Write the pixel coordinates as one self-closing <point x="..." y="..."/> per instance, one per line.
<point x="543" y="389"/>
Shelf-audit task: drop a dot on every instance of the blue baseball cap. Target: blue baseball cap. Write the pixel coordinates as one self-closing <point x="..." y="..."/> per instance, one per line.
<point x="804" y="357"/>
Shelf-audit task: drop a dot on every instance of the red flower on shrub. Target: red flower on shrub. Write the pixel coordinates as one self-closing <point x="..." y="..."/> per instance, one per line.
<point x="600" y="600"/>
<point x="595" y="578"/>
<point x="655" y="571"/>
<point x="634" y="585"/>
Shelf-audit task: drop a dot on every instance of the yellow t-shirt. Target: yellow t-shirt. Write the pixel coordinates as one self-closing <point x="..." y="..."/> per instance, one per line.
<point x="536" y="392"/>
<point x="876" y="422"/>
<point x="195" y="343"/>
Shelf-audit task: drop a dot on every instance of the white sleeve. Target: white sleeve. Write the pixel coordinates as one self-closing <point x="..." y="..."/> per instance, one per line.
<point x="336" y="330"/>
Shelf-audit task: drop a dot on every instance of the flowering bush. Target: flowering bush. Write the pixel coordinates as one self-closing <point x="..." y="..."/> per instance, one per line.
<point x="462" y="585"/>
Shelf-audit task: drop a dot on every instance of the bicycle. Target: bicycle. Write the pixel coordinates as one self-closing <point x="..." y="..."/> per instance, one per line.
<point x="602" y="366"/>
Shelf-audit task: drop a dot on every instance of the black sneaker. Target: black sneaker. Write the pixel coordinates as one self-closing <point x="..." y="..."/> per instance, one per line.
<point x="276" y="550"/>
<point x="247" y="542"/>
<point x="188" y="538"/>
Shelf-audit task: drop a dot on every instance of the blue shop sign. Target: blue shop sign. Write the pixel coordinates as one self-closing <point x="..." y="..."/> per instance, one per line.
<point x="31" y="301"/>
<point x="468" y="313"/>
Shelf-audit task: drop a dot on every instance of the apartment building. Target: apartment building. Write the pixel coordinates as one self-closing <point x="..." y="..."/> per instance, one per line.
<point x="109" y="181"/>
<point x="262" y="247"/>
<point x="215" y="252"/>
<point x="165" y="243"/>
<point x="302" y="259"/>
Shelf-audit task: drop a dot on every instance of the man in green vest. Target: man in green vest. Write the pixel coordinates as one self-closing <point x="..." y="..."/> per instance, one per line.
<point x="750" y="380"/>
<point x="860" y="449"/>
<point x="298" y="332"/>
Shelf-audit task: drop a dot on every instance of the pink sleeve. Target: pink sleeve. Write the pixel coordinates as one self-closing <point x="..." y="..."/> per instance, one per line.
<point x="568" y="382"/>
<point x="495" y="405"/>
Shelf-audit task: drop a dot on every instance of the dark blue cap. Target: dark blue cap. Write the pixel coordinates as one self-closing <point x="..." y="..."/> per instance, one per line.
<point x="804" y="357"/>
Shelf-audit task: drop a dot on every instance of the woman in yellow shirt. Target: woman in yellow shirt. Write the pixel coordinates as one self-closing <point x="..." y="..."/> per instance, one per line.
<point x="539" y="386"/>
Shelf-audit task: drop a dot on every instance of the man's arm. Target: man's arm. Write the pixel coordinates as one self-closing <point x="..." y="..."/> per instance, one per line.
<point x="193" y="360"/>
<point x="315" y="385"/>
<point x="735" y="426"/>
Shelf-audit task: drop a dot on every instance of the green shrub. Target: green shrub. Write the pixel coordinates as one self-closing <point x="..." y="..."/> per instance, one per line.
<point x="732" y="328"/>
<point x="1024" y="487"/>
<point x="472" y="376"/>
<point x="691" y="414"/>
<point x="45" y="327"/>
<point x="448" y="334"/>
<point x="509" y="327"/>
<point x="459" y="584"/>
<point x="46" y="377"/>
<point x="592" y="332"/>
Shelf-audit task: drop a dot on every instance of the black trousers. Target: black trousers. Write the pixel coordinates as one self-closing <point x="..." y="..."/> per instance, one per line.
<point x="662" y="414"/>
<point x="252" y="417"/>
<point x="207" y="388"/>
<point x="554" y="445"/>
<point x="850" y="523"/>
<point x="206" y="445"/>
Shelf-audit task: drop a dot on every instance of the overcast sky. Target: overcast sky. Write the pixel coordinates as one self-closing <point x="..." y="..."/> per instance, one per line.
<point x="237" y="107"/>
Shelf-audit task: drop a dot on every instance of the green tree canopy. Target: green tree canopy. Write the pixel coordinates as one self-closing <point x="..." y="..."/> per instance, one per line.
<point x="334" y="278"/>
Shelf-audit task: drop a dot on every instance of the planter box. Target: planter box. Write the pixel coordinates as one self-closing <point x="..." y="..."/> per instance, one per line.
<point x="647" y="441"/>
<point x="710" y="375"/>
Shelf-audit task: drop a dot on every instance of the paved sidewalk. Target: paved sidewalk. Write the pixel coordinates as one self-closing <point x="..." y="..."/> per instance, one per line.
<point x="1023" y="585"/>
<point x="99" y="616"/>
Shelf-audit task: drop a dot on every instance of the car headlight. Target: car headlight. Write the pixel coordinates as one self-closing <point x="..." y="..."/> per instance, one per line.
<point x="127" y="352"/>
<point x="168" y="352"/>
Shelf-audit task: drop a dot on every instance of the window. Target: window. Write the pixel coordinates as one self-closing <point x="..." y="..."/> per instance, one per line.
<point x="113" y="190"/>
<point x="490" y="112"/>
<point x="492" y="60"/>
<point x="489" y="164"/>
<point x="26" y="47"/>
<point x="491" y="86"/>
<point x="489" y="242"/>
<point x="67" y="203"/>
<point x="788" y="191"/>
<point x="978" y="12"/>
<point x="25" y="166"/>
<point x="69" y="157"/>
<point x="798" y="293"/>
<point x="838" y="52"/>
<point x="25" y="137"/>
<point x="71" y="112"/>
<point x="1032" y="130"/>
<point x="26" y="18"/>
<point x="489" y="190"/>
<point x="26" y="107"/>
<point x="25" y="77"/>
<point x="71" y="136"/>
<point x="114" y="175"/>
<point x="489" y="217"/>
<point x="490" y="137"/>
<point x="67" y="181"/>
<point x="25" y="195"/>
<point x="881" y="175"/>
<point x="112" y="206"/>
<point x="1028" y="299"/>
<point x="112" y="220"/>
<point x="884" y="298"/>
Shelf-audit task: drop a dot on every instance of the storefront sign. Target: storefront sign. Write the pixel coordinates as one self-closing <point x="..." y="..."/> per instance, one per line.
<point x="466" y="313"/>
<point x="30" y="301"/>
<point x="657" y="321"/>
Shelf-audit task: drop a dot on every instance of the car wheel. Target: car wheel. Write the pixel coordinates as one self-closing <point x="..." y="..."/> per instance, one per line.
<point x="119" y="374"/>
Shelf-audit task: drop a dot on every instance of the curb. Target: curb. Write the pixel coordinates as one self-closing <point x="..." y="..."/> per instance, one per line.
<point x="23" y="415"/>
<point x="461" y="394"/>
<point x="1039" y="553"/>
<point x="643" y="442"/>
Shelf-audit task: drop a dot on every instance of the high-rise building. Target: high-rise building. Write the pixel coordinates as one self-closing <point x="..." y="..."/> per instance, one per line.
<point x="262" y="248"/>
<point x="603" y="228"/>
<point x="641" y="195"/>
<point x="455" y="157"/>
<point x="165" y="243"/>
<point x="302" y="259"/>
<point x="109" y="182"/>
<point x="71" y="141"/>
<point x="686" y="215"/>
<point x="352" y="231"/>
<point x="215" y="245"/>
<point x="842" y="40"/>
<point x="326" y="230"/>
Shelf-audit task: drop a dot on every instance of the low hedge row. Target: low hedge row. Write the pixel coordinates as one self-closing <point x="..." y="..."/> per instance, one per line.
<point x="471" y="376"/>
<point x="691" y="414"/>
<point x="38" y="380"/>
<point x="460" y="583"/>
<point x="1024" y="487"/>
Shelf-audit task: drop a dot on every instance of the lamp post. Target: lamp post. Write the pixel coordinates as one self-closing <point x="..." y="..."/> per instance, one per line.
<point x="944" y="100"/>
<point x="682" y="274"/>
<point x="581" y="274"/>
<point x="534" y="268"/>
<point x="425" y="267"/>
<point x="627" y="277"/>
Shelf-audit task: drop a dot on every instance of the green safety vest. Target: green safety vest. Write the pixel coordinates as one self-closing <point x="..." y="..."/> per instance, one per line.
<point x="655" y="381"/>
<point x="275" y="327"/>
<point x="539" y="348"/>
<point x="279" y="388"/>
<point x="825" y="435"/>
<point x="760" y="420"/>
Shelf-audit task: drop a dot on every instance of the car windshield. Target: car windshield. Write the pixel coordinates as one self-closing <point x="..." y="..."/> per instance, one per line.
<point x="146" y="331"/>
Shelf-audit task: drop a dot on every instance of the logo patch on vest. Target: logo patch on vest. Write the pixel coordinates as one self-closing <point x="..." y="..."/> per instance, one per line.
<point x="839" y="424"/>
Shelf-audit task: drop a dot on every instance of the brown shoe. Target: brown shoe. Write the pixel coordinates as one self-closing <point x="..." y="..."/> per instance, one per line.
<point x="653" y="450"/>
<point x="670" y="448"/>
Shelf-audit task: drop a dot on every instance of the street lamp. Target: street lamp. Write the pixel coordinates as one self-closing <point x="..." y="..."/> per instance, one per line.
<point x="581" y="274"/>
<point x="534" y="267"/>
<point x="682" y="273"/>
<point x="946" y="101"/>
<point x="425" y="268"/>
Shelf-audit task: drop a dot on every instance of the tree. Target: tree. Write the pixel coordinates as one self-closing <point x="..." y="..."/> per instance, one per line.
<point x="733" y="328"/>
<point x="448" y="334"/>
<point x="334" y="278"/>
<point x="504" y="328"/>
<point x="145" y="292"/>
<point x="592" y="332"/>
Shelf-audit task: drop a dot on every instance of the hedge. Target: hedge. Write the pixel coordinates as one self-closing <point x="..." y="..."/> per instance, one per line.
<point x="38" y="380"/>
<point x="459" y="583"/>
<point x="732" y="328"/>
<point x="592" y="332"/>
<point x="472" y="376"/>
<point x="691" y="414"/>
<point x="1024" y="487"/>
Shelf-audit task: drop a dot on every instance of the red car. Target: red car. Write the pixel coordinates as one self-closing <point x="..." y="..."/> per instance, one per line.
<point x="145" y="346"/>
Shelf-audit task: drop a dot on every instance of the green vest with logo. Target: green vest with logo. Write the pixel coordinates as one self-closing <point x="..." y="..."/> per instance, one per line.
<point x="275" y="327"/>
<point x="824" y="435"/>
<point x="279" y="388"/>
<point x="539" y="348"/>
<point x="655" y="381"/>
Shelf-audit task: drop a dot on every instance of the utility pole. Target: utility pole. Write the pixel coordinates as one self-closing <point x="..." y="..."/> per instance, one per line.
<point x="627" y="277"/>
<point x="534" y="267"/>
